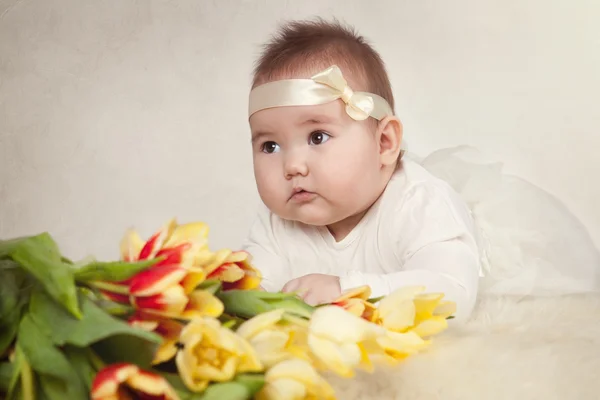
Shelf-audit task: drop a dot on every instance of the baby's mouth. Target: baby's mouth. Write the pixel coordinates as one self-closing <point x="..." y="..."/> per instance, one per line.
<point x="301" y="195"/>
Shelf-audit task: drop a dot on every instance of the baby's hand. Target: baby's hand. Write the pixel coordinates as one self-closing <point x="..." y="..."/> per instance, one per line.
<point x="315" y="289"/>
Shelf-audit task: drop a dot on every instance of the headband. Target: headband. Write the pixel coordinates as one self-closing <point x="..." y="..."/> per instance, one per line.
<point x="324" y="87"/>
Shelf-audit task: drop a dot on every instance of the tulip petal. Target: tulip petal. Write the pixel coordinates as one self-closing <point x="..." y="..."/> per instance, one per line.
<point x="107" y="381"/>
<point x="194" y="277"/>
<point x="172" y="255"/>
<point x="341" y="326"/>
<point x="156" y="279"/>
<point x="202" y="303"/>
<point x="116" y="297"/>
<point x="195" y="232"/>
<point x="131" y="246"/>
<point x="360" y="292"/>
<point x="400" y="345"/>
<point x="260" y="322"/>
<point x="151" y="385"/>
<point x="445" y="309"/>
<point x="283" y="389"/>
<point x="431" y="326"/>
<point x="340" y="358"/>
<point x="156" y="241"/>
<point x="227" y="273"/>
<point x="171" y="301"/>
<point x="397" y="311"/>
<point x="142" y="323"/>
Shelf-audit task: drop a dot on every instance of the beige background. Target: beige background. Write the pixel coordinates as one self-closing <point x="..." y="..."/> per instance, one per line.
<point x="126" y="113"/>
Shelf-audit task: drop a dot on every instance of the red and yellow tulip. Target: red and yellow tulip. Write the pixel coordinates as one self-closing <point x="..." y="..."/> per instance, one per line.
<point x="356" y="302"/>
<point x="117" y="381"/>
<point x="234" y="270"/>
<point x="169" y="329"/>
<point x="176" y="243"/>
<point x="170" y="291"/>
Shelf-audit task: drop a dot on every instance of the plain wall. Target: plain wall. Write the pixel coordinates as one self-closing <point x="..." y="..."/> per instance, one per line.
<point x="127" y="113"/>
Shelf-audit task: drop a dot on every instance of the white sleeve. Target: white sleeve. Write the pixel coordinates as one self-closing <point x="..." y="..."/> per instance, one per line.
<point x="265" y="252"/>
<point x="435" y="247"/>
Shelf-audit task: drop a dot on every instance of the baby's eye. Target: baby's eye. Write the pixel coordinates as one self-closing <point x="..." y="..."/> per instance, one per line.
<point x="319" y="137"/>
<point x="270" y="147"/>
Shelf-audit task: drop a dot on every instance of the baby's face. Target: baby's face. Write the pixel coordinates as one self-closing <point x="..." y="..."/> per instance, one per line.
<point x="314" y="164"/>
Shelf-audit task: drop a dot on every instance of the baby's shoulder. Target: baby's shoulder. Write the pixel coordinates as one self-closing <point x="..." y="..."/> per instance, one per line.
<point x="412" y="183"/>
<point x="414" y="194"/>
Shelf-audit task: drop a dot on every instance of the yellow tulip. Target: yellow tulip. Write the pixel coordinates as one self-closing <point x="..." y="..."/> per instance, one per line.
<point x="276" y="336"/>
<point x="213" y="353"/>
<point x="295" y="379"/>
<point x="341" y="342"/>
<point x="355" y="301"/>
<point x="408" y="309"/>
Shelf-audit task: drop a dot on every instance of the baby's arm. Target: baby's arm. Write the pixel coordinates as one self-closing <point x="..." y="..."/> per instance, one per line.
<point x="449" y="267"/>
<point x="433" y="238"/>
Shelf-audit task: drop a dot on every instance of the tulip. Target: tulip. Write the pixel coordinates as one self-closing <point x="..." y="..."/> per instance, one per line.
<point x="175" y="245"/>
<point x="168" y="329"/>
<point x="117" y="381"/>
<point x="294" y="379"/>
<point x="276" y="336"/>
<point x="213" y="353"/>
<point x="171" y="241"/>
<point x="408" y="309"/>
<point x="341" y="341"/>
<point x="234" y="270"/>
<point x="356" y="301"/>
<point x="170" y="291"/>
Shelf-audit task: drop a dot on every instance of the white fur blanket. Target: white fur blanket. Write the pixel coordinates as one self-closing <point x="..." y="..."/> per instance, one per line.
<point x="512" y="348"/>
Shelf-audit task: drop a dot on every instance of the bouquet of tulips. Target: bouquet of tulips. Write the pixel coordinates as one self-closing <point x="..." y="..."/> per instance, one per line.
<point x="173" y="319"/>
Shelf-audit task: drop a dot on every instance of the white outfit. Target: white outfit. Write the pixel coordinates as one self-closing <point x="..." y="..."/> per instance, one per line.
<point x="449" y="222"/>
<point x="419" y="232"/>
<point x="532" y="244"/>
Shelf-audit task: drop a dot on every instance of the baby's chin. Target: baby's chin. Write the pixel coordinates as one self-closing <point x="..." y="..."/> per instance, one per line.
<point x="312" y="217"/>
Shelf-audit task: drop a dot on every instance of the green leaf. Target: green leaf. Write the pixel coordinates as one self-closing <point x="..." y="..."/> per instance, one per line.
<point x="17" y="363"/>
<point x="374" y="300"/>
<point x="253" y="382"/>
<point x="175" y="381"/>
<point x="13" y="296"/>
<point x="7" y="370"/>
<point x="224" y="391"/>
<point x="39" y="255"/>
<point x="80" y="360"/>
<point x="126" y="348"/>
<point x="111" y="271"/>
<point x="94" y="325"/>
<point x="249" y="303"/>
<point x="46" y="359"/>
<point x="51" y="388"/>
<point x="243" y="303"/>
<point x="210" y="285"/>
<point x="8" y="246"/>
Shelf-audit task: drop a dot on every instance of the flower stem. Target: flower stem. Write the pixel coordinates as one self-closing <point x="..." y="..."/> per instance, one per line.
<point x="111" y="287"/>
<point x="27" y="388"/>
<point x="96" y="361"/>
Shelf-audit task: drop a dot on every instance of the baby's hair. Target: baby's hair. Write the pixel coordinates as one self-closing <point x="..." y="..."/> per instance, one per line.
<point x="299" y="46"/>
<point x="312" y="45"/>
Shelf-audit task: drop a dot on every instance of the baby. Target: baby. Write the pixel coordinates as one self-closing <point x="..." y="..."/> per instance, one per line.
<point x="342" y="208"/>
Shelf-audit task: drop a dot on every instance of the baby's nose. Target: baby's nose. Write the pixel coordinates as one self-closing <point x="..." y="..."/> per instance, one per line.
<point x="295" y="165"/>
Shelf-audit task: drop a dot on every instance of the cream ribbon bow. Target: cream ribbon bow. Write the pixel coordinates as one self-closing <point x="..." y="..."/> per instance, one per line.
<point x="358" y="106"/>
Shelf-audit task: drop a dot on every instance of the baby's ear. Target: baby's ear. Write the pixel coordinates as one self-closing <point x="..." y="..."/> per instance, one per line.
<point x="389" y="135"/>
